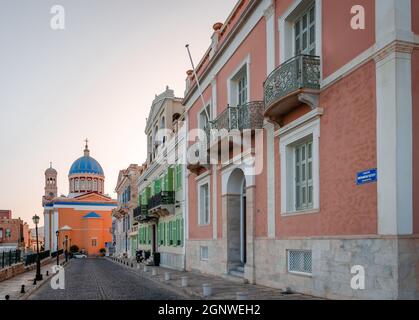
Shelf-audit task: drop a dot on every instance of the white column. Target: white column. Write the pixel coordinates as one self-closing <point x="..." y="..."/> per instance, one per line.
<point x="46" y="230"/>
<point x="270" y="128"/>
<point x="214" y="167"/>
<point x="54" y="230"/>
<point x="394" y="142"/>
<point x="270" y="179"/>
<point x="393" y="21"/>
<point x="270" y="38"/>
<point x="394" y="118"/>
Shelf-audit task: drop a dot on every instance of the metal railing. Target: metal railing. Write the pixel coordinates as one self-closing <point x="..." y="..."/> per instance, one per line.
<point x="246" y="116"/>
<point x="301" y="71"/>
<point x="31" y="258"/>
<point x="54" y="254"/>
<point x="161" y="198"/>
<point x="9" y="258"/>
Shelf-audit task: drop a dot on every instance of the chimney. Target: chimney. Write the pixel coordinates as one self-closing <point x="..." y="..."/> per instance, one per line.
<point x="189" y="80"/>
<point x="215" y="37"/>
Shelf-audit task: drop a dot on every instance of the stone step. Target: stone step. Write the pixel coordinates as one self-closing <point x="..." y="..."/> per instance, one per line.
<point x="235" y="278"/>
<point x="239" y="269"/>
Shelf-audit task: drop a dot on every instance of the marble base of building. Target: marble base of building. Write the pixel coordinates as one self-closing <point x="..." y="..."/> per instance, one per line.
<point x="391" y="265"/>
<point x="172" y="261"/>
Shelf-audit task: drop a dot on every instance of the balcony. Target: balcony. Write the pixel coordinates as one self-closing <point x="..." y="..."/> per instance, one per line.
<point x="162" y="203"/>
<point x="142" y="215"/>
<point x="248" y="116"/>
<point x="293" y="83"/>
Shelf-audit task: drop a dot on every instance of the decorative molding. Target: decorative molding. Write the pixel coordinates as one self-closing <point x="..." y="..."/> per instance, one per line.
<point x="311" y="99"/>
<point x="395" y="47"/>
<point x="269" y="12"/>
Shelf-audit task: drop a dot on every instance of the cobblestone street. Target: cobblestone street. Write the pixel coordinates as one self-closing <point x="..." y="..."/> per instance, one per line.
<point x="100" y="279"/>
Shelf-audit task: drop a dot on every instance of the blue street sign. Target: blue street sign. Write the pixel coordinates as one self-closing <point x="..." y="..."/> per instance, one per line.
<point x="366" y="177"/>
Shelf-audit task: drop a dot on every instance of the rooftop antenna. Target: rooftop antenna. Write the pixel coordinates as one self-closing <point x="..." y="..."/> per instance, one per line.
<point x="198" y="84"/>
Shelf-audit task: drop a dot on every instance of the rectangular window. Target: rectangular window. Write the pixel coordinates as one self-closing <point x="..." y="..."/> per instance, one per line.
<point x="203" y="117"/>
<point x="300" y="261"/>
<point x="305" y="32"/>
<point x="242" y="90"/>
<point x="94" y="242"/>
<point x="204" y="253"/>
<point x="304" y="175"/>
<point x="204" y="213"/>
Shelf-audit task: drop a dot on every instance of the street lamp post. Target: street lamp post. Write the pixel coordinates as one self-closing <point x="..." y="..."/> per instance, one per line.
<point x="66" y="248"/>
<point x="58" y="256"/>
<point x="38" y="276"/>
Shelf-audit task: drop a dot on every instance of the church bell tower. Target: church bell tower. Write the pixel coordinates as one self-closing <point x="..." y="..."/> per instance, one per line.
<point x="51" y="189"/>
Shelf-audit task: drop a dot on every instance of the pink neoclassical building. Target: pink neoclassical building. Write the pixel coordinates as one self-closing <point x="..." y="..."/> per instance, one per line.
<point x="328" y="188"/>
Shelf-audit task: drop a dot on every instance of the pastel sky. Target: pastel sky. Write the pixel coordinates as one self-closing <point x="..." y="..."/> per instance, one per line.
<point x="95" y="79"/>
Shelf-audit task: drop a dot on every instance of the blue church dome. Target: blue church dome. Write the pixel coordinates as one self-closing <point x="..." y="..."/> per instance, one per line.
<point x="86" y="164"/>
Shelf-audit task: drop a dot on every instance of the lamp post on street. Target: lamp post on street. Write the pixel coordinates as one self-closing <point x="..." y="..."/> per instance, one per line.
<point x="58" y="256"/>
<point x="38" y="276"/>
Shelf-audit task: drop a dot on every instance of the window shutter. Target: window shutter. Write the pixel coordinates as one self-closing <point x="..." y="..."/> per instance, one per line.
<point x="170" y="233"/>
<point x="169" y="179"/>
<point x="181" y="232"/>
<point x="175" y="233"/>
<point x="178" y="176"/>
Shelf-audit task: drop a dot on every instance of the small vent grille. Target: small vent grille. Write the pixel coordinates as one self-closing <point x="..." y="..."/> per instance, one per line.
<point x="300" y="261"/>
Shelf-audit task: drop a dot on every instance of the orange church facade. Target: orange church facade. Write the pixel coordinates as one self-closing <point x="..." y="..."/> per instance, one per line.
<point x="84" y="217"/>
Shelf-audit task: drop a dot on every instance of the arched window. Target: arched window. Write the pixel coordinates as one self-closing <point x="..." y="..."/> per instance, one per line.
<point x="77" y="188"/>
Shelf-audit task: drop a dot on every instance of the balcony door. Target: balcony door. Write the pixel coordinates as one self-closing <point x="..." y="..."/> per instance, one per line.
<point x="305" y="32"/>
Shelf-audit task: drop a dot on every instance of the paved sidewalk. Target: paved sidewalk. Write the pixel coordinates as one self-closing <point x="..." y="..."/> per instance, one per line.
<point x="222" y="289"/>
<point x="12" y="286"/>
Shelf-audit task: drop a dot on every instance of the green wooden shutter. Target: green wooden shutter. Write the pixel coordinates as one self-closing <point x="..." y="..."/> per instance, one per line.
<point x="157" y="186"/>
<point x="181" y="232"/>
<point x="169" y="179"/>
<point x="141" y="235"/>
<point x="174" y="232"/>
<point x="149" y="234"/>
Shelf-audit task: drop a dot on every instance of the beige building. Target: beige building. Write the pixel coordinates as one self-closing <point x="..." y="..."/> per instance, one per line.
<point x="161" y="186"/>
<point x="125" y="228"/>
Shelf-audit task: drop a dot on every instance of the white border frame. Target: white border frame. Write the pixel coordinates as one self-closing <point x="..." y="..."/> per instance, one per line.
<point x="231" y="82"/>
<point x="200" y="183"/>
<point x="287" y="33"/>
<point x="287" y="141"/>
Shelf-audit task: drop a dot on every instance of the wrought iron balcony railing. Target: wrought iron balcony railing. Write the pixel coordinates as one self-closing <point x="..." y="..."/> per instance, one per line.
<point x="246" y="116"/>
<point x="141" y="212"/>
<point x="162" y="198"/>
<point x="300" y="72"/>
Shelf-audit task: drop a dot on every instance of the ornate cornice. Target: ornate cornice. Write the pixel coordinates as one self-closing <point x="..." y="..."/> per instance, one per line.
<point x="395" y="47"/>
<point x="269" y="12"/>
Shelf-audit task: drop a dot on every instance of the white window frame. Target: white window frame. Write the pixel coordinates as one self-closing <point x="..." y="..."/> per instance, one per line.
<point x="287" y="31"/>
<point x="233" y="85"/>
<point x="306" y="127"/>
<point x="309" y="24"/>
<point x="201" y="113"/>
<point x="200" y="184"/>
<point x="201" y="256"/>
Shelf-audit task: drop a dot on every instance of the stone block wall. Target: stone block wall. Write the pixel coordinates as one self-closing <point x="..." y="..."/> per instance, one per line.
<point x="391" y="267"/>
